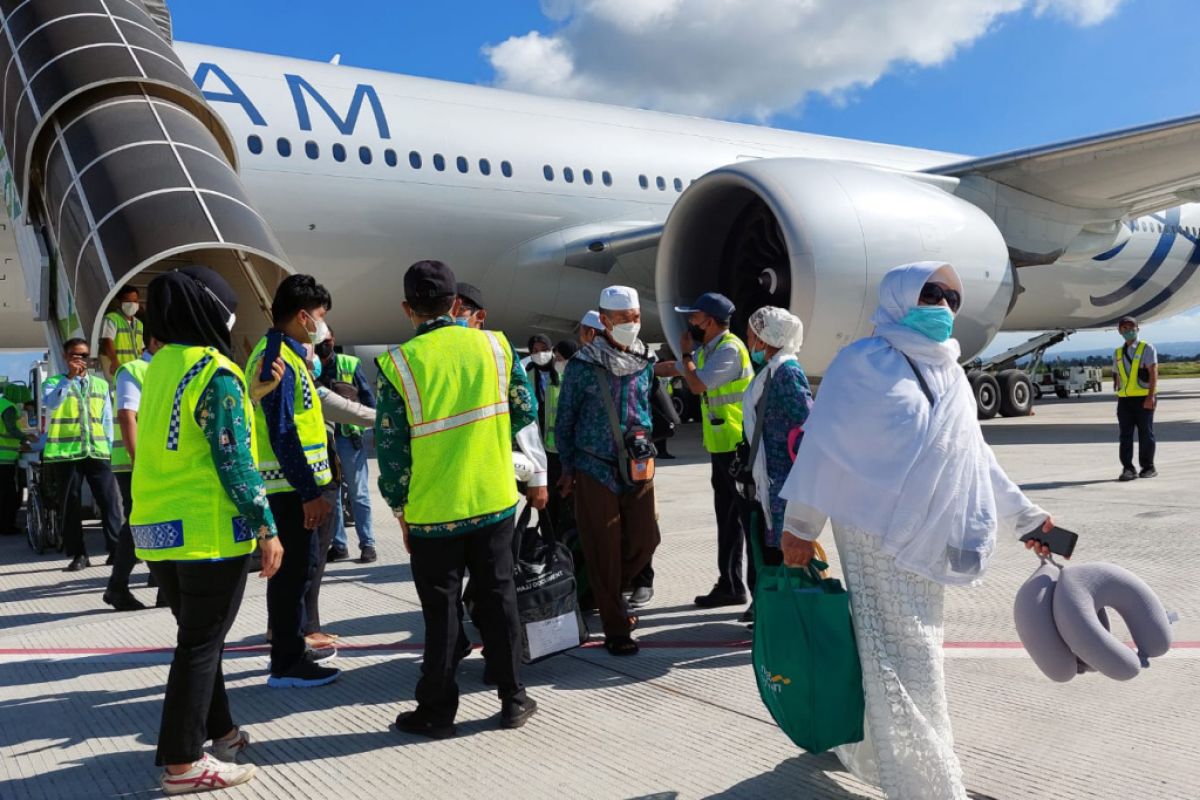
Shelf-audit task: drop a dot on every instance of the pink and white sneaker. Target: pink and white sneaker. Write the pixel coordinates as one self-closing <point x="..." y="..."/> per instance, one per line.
<point x="228" y="750"/>
<point x="206" y="775"/>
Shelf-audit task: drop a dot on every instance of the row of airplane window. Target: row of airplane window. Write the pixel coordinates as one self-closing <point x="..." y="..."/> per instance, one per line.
<point x="283" y="146"/>
<point x="1158" y="227"/>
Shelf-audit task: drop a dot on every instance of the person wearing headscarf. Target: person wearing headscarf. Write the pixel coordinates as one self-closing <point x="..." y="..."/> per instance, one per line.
<point x="894" y="456"/>
<point x="199" y="510"/>
<point x="782" y="392"/>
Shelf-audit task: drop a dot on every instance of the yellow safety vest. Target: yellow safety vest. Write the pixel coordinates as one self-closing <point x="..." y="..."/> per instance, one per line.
<point x="310" y="424"/>
<point x="552" y="392"/>
<point x="76" y="428"/>
<point x="10" y="447"/>
<point x="120" y="456"/>
<point x="722" y="405"/>
<point x="1128" y="385"/>
<point x="346" y="367"/>
<point x="181" y="512"/>
<point x="128" y="341"/>
<point x="454" y="382"/>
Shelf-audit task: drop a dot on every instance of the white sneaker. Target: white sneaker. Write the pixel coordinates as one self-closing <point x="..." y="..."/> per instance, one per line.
<point x="206" y="775"/>
<point x="228" y="750"/>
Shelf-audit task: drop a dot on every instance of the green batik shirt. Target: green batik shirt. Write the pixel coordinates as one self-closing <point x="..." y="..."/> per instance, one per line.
<point x="221" y="414"/>
<point x="393" y="442"/>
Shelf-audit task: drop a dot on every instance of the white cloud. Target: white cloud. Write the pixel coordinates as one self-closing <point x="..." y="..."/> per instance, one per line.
<point x="746" y="59"/>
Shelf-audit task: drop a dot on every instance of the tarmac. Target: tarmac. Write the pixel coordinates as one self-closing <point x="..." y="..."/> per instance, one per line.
<point x="81" y="686"/>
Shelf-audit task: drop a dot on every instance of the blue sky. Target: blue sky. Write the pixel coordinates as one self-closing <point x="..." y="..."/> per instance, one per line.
<point x="917" y="72"/>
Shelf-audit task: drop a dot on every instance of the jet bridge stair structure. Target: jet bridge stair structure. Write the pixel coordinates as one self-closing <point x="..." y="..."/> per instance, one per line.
<point x="116" y="169"/>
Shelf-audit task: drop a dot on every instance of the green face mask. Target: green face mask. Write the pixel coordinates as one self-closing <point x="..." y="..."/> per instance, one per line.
<point x="759" y="357"/>
<point x="1130" y="336"/>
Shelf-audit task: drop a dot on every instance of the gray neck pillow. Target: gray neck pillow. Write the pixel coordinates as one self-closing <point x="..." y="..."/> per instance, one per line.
<point x="1061" y="619"/>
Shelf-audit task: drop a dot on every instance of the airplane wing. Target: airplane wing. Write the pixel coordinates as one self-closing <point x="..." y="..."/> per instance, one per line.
<point x="1143" y="170"/>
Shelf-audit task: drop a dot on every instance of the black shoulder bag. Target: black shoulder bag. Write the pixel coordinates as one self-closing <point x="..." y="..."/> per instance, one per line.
<point x="635" y="450"/>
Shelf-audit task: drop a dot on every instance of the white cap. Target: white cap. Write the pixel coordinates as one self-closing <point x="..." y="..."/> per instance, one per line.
<point x="619" y="298"/>
<point x="592" y="320"/>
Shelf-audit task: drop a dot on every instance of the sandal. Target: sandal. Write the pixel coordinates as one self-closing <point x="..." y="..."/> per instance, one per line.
<point x="321" y="639"/>
<point x="621" y="646"/>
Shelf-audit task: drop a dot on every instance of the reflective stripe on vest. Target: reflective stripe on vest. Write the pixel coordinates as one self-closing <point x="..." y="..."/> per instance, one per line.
<point x="120" y="456"/>
<point x="309" y="421"/>
<point x="722" y="405"/>
<point x="346" y="367"/>
<point x="181" y="512"/>
<point x="128" y="341"/>
<point x="454" y="382"/>
<point x="10" y="448"/>
<point x="1128" y="385"/>
<point x="76" y="428"/>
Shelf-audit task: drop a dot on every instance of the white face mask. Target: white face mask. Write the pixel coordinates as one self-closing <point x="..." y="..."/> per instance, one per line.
<point x="626" y="333"/>
<point x="129" y="309"/>
<point x="232" y="320"/>
<point x="541" y="359"/>
<point x="320" y="334"/>
<point x="560" y="367"/>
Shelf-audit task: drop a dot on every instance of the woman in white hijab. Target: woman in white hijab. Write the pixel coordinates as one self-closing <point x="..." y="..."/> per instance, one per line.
<point x="895" y="457"/>
<point x="781" y="391"/>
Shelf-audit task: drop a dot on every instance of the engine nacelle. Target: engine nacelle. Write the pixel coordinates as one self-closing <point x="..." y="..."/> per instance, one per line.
<point x="817" y="237"/>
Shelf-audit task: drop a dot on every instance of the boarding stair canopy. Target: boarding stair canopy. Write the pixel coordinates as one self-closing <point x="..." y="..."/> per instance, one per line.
<point x="118" y="163"/>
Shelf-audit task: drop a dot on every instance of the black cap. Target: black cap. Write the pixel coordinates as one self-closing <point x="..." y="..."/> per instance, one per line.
<point x="716" y="305"/>
<point x="429" y="280"/>
<point x="470" y="293"/>
<point x="1131" y="320"/>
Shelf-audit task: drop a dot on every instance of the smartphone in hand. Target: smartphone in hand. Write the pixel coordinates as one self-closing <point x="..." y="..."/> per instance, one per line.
<point x="1060" y="540"/>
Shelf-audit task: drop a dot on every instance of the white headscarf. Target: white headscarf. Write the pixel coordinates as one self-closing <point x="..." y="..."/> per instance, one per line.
<point x="878" y="457"/>
<point x="784" y="331"/>
<point x="778" y="328"/>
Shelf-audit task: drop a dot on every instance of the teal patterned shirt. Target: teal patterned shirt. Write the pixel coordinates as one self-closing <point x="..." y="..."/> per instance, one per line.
<point x="221" y="415"/>
<point x="393" y="442"/>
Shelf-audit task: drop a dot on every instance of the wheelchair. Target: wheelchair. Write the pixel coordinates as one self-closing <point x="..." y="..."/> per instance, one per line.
<point x="42" y="524"/>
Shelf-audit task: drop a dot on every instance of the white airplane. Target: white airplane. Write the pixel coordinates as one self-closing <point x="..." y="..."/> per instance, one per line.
<point x="542" y="202"/>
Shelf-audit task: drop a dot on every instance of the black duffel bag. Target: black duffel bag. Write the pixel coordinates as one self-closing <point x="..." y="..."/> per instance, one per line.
<point x="547" y="596"/>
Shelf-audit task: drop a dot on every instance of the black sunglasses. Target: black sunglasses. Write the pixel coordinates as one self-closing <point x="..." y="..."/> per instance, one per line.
<point x="932" y="294"/>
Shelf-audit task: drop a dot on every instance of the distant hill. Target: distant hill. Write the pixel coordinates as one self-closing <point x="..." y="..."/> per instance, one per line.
<point x="1175" y="349"/>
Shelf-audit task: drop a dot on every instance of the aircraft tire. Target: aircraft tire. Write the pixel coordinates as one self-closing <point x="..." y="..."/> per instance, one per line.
<point x="1016" y="393"/>
<point x="987" y="394"/>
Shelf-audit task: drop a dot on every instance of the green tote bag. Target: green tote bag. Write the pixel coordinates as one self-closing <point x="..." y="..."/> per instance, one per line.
<point x="805" y="657"/>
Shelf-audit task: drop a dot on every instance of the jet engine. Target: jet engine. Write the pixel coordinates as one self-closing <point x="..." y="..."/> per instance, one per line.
<point x="817" y="237"/>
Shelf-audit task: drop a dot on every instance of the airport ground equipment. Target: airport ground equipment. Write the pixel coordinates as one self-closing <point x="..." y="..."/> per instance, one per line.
<point x="1001" y="387"/>
<point x="116" y="169"/>
<point x="1077" y="380"/>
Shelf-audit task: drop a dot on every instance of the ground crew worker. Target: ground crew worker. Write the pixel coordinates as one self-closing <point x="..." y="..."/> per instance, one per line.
<point x="471" y="311"/>
<point x="1135" y="378"/>
<point x="352" y="452"/>
<point x="131" y="377"/>
<point x="13" y="442"/>
<point x="79" y="446"/>
<point x="716" y="365"/>
<point x="199" y="510"/>
<point x="121" y="335"/>
<point x="449" y="399"/>
<point x="293" y="459"/>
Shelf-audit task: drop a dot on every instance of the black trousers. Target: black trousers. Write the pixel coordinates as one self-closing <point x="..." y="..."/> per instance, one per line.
<point x="204" y="597"/>
<point x="118" y="581"/>
<point x="324" y="539"/>
<point x="287" y="588"/>
<point x="69" y="478"/>
<point x="438" y="564"/>
<point x="10" y="498"/>
<point x="733" y="546"/>
<point x="1132" y="414"/>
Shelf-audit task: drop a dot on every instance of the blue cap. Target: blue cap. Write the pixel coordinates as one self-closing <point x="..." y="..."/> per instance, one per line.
<point x="715" y="304"/>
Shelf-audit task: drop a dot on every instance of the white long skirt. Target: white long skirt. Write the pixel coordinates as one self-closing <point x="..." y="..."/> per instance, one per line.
<point x="908" y="750"/>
